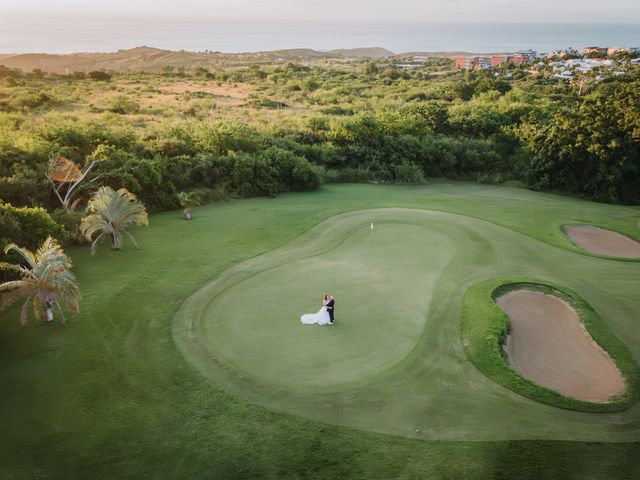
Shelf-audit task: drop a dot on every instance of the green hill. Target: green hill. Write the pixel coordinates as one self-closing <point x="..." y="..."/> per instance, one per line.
<point x="150" y="59"/>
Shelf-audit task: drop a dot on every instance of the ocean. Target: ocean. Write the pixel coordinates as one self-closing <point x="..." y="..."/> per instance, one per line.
<point x="38" y="35"/>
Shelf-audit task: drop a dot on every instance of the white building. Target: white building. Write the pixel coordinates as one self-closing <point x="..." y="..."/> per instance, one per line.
<point x="530" y="54"/>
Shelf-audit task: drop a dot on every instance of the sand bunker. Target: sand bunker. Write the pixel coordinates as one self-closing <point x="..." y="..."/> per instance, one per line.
<point x="603" y="242"/>
<point x="549" y="345"/>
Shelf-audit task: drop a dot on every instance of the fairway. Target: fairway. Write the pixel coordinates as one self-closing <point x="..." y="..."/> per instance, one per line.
<point x="188" y="359"/>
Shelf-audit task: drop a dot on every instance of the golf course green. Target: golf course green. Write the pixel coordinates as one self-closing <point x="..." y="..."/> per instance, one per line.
<point x="189" y="359"/>
<point x="394" y="351"/>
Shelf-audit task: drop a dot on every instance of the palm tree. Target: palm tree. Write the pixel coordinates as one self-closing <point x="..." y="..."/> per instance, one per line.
<point x="45" y="280"/>
<point x="188" y="201"/>
<point x="110" y="213"/>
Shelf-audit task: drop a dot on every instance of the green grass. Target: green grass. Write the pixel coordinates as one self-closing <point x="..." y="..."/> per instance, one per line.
<point x="111" y="394"/>
<point x="485" y="326"/>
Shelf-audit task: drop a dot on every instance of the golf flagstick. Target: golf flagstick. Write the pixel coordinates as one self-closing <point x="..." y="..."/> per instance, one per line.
<point x="372" y="231"/>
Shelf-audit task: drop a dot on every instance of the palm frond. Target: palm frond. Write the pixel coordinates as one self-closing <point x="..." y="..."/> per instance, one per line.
<point x="10" y="266"/>
<point x="9" y="298"/>
<point x="95" y="242"/>
<point x="24" y="312"/>
<point x="132" y="239"/>
<point x="91" y="224"/>
<point x="12" y="285"/>
<point x="25" y="253"/>
<point x="189" y="200"/>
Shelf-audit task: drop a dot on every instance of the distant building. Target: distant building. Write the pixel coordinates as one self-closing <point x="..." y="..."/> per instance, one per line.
<point x="484" y="61"/>
<point x="567" y="52"/>
<point x="498" y="59"/>
<point x="566" y="75"/>
<point x="466" y="62"/>
<point x="598" y="50"/>
<point x="519" y="59"/>
<point x="495" y="60"/>
<point x="614" y="50"/>
<point x="529" y="54"/>
<point x="404" y="66"/>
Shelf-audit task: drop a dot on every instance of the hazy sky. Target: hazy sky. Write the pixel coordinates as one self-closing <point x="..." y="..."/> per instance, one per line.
<point x="333" y="10"/>
<point x="249" y="25"/>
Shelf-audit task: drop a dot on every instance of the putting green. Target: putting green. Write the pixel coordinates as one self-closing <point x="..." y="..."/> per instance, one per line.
<point x="384" y="290"/>
<point x="393" y="362"/>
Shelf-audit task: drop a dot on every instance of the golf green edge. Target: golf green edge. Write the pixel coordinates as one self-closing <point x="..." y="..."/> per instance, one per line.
<point x="484" y="327"/>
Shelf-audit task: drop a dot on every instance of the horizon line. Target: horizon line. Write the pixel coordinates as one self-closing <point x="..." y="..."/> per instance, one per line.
<point x="329" y="50"/>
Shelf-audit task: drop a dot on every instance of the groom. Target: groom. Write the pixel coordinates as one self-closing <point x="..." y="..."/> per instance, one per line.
<point x="331" y="307"/>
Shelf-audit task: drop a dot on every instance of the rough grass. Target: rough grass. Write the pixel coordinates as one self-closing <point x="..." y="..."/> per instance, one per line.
<point x="485" y="327"/>
<point x="110" y="396"/>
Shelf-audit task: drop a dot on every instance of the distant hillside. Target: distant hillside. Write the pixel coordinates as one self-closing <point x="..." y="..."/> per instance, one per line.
<point x="374" y="52"/>
<point x="155" y="60"/>
<point x="451" y="54"/>
<point x="290" y="52"/>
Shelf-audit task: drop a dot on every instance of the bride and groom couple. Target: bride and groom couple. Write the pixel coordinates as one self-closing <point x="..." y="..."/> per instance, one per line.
<point x="324" y="316"/>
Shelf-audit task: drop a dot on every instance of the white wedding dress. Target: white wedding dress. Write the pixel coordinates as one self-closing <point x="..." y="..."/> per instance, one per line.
<point x="320" y="318"/>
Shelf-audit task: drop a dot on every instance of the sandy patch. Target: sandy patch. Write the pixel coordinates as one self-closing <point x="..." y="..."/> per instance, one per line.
<point x="549" y="345"/>
<point x="233" y="94"/>
<point x="603" y="242"/>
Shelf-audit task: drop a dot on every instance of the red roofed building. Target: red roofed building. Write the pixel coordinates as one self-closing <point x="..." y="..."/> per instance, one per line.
<point x="499" y="59"/>
<point x="466" y="63"/>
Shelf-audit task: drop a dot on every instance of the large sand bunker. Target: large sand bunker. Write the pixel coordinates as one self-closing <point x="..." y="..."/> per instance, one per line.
<point x="603" y="242"/>
<point x="549" y="345"/>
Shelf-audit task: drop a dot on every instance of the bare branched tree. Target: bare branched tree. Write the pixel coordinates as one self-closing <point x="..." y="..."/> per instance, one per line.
<point x="66" y="178"/>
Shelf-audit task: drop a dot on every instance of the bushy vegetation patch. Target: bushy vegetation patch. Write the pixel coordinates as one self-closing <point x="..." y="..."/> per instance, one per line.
<point x="255" y="130"/>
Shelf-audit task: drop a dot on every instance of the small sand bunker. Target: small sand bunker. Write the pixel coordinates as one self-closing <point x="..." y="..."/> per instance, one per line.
<point x="603" y="242"/>
<point x="549" y="345"/>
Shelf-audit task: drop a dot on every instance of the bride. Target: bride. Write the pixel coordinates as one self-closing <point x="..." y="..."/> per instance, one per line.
<point x="320" y="318"/>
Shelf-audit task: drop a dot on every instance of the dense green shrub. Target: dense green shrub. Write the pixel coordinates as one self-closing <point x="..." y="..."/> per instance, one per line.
<point x="99" y="76"/>
<point x="26" y="227"/>
<point x="293" y="173"/>
<point x="407" y="172"/>
<point x="268" y="103"/>
<point x="365" y="124"/>
<point x="591" y="150"/>
<point x="30" y="101"/>
<point x="22" y="186"/>
<point x="70" y="222"/>
<point x="122" y="104"/>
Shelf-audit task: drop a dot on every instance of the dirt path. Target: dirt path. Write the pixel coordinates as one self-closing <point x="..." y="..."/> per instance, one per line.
<point x="603" y="242"/>
<point x="549" y="345"/>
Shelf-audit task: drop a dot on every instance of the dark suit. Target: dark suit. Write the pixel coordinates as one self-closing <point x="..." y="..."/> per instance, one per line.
<point x="331" y="308"/>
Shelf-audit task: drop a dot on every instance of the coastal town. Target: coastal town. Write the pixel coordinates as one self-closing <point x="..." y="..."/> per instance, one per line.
<point x="567" y="64"/>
